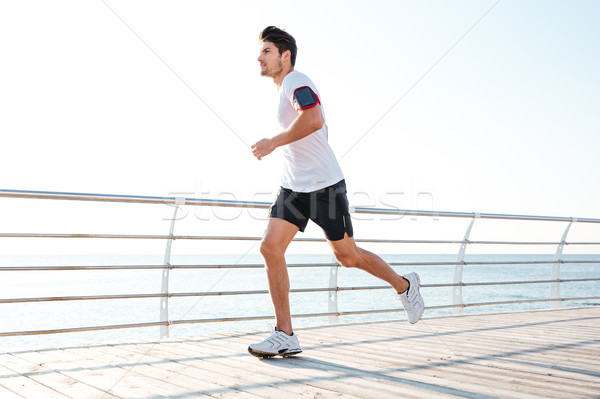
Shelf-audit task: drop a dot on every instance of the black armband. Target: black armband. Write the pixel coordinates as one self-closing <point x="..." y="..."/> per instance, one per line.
<point x="304" y="98"/>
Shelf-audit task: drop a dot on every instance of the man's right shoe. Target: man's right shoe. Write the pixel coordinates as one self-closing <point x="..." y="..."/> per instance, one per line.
<point x="279" y="343"/>
<point x="411" y="298"/>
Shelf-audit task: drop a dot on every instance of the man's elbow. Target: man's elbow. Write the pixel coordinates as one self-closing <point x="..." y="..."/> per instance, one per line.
<point x="317" y="121"/>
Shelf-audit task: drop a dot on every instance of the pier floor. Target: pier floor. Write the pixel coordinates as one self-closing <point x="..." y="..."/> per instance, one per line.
<point x="525" y="354"/>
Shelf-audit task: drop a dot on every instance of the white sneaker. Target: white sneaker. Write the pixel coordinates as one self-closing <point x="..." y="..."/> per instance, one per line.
<point x="412" y="300"/>
<point x="279" y="343"/>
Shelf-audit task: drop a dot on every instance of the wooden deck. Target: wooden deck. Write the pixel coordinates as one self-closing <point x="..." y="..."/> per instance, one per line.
<point x="530" y="354"/>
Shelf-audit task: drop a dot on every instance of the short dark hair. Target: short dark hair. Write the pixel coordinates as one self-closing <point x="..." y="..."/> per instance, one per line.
<point x="281" y="39"/>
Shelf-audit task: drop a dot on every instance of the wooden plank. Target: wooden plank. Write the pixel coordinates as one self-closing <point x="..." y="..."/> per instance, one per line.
<point x="366" y="350"/>
<point x="479" y="343"/>
<point x="551" y="349"/>
<point x="528" y="354"/>
<point x="81" y="367"/>
<point x="24" y="386"/>
<point x="195" y="367"/>
<point x="469" y="384"/>
<point x="179" y="372"/>
<point x="233" y="374"/>
<point x="504" y="365"/>
<point x="368" y="383"/>
<point x="129" y="375"/>
<point x="239" y="366"/>
<point x="308" y="381"/>
<point x="56" y="380"/>
<point x="5" y="393"/>
<point x="7" y="378"/>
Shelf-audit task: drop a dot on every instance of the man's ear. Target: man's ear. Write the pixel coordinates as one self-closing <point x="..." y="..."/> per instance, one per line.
<point x="287" y="54"/>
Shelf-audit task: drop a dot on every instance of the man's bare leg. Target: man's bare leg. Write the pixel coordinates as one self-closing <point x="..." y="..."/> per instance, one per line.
<point x="277" y="237"/>
<point x="349" y="255"/>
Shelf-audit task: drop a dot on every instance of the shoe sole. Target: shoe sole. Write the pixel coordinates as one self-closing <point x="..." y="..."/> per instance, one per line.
<point x="270" y="355"/>
<point x="418" y="281"/>
<point x="419" y="284"/>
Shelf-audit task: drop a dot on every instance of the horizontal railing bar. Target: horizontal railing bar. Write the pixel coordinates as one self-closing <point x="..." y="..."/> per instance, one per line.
<point x="81" y="329"/>
<point x="513" y="282"/>
<point x="405" y="212"/>
<point x="473" y="284"/>
<point x="130" y="199"/>
<point x="251" y="318"/>
<point x="531" y="300"/>
<point x="260" y="266"/>
<point x="254" y="292"/>
<point x="528" y="262"/>
<point x="264" y="205"/>
<point x="227" y="319"/>
<point x="529" y="242"/>
<point x="77" y="235"/>
<point x="256" y="238"/>
<point x="466" y="305"/>
<point x="144" y="296"/>
<point x="294" y="290"/>
<point x="80" y="298"/>
<point x="79" y="267"/>
<point x="511" y="302"/>
<point x="570" y="280"/>
<point x="154" y="267"/>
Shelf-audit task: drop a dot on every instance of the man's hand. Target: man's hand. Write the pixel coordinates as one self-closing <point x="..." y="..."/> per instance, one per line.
<point x="308" y="121"/>
<point x="263" y="148"/>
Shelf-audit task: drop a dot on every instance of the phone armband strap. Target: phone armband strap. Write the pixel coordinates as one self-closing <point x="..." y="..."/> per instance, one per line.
<point x="304" y="98"/>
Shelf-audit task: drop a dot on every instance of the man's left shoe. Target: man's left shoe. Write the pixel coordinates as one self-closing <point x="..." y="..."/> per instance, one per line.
<point x="279" y="343"/>
<point x="411" y="298"/>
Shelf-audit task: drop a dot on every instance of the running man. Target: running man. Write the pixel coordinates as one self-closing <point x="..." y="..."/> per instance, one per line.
<point x="312" y="187"/>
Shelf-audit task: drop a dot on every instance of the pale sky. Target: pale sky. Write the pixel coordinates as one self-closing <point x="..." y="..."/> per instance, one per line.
<point x="470" y="106"/>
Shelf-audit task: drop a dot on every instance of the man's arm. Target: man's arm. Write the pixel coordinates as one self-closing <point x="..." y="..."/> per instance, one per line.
<point x="309" y="120"/>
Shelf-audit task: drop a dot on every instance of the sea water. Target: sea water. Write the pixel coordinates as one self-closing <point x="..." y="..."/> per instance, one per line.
<point x="86" y="313"/>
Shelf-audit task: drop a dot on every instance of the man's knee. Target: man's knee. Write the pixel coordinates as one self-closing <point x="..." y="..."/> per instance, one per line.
<point x="270" y="248"/>
<point x="349" y="260"/>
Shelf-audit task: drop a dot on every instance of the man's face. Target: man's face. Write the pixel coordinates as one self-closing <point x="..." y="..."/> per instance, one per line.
<point x="270" y="60"/>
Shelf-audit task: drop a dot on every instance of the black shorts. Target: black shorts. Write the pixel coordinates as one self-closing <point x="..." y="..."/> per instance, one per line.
<point x="327" y="207"/>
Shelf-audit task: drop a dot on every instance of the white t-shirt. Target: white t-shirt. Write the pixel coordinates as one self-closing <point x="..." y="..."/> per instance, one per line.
<point x="309" y="163"/>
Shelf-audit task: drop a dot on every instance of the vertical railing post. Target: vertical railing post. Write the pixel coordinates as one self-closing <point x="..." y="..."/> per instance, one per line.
<point x="332" y="303"/>
<point x="333" y="294"/>
<point x="457" y="291"/>
<point x="555" y="274"/>
<point x="164" y="287"/>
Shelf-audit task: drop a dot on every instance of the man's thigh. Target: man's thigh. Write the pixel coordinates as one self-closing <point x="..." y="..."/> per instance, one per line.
<point x="278" y="234"/>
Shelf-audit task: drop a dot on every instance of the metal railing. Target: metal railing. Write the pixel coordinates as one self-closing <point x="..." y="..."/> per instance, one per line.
<point x="457" y="298"/>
